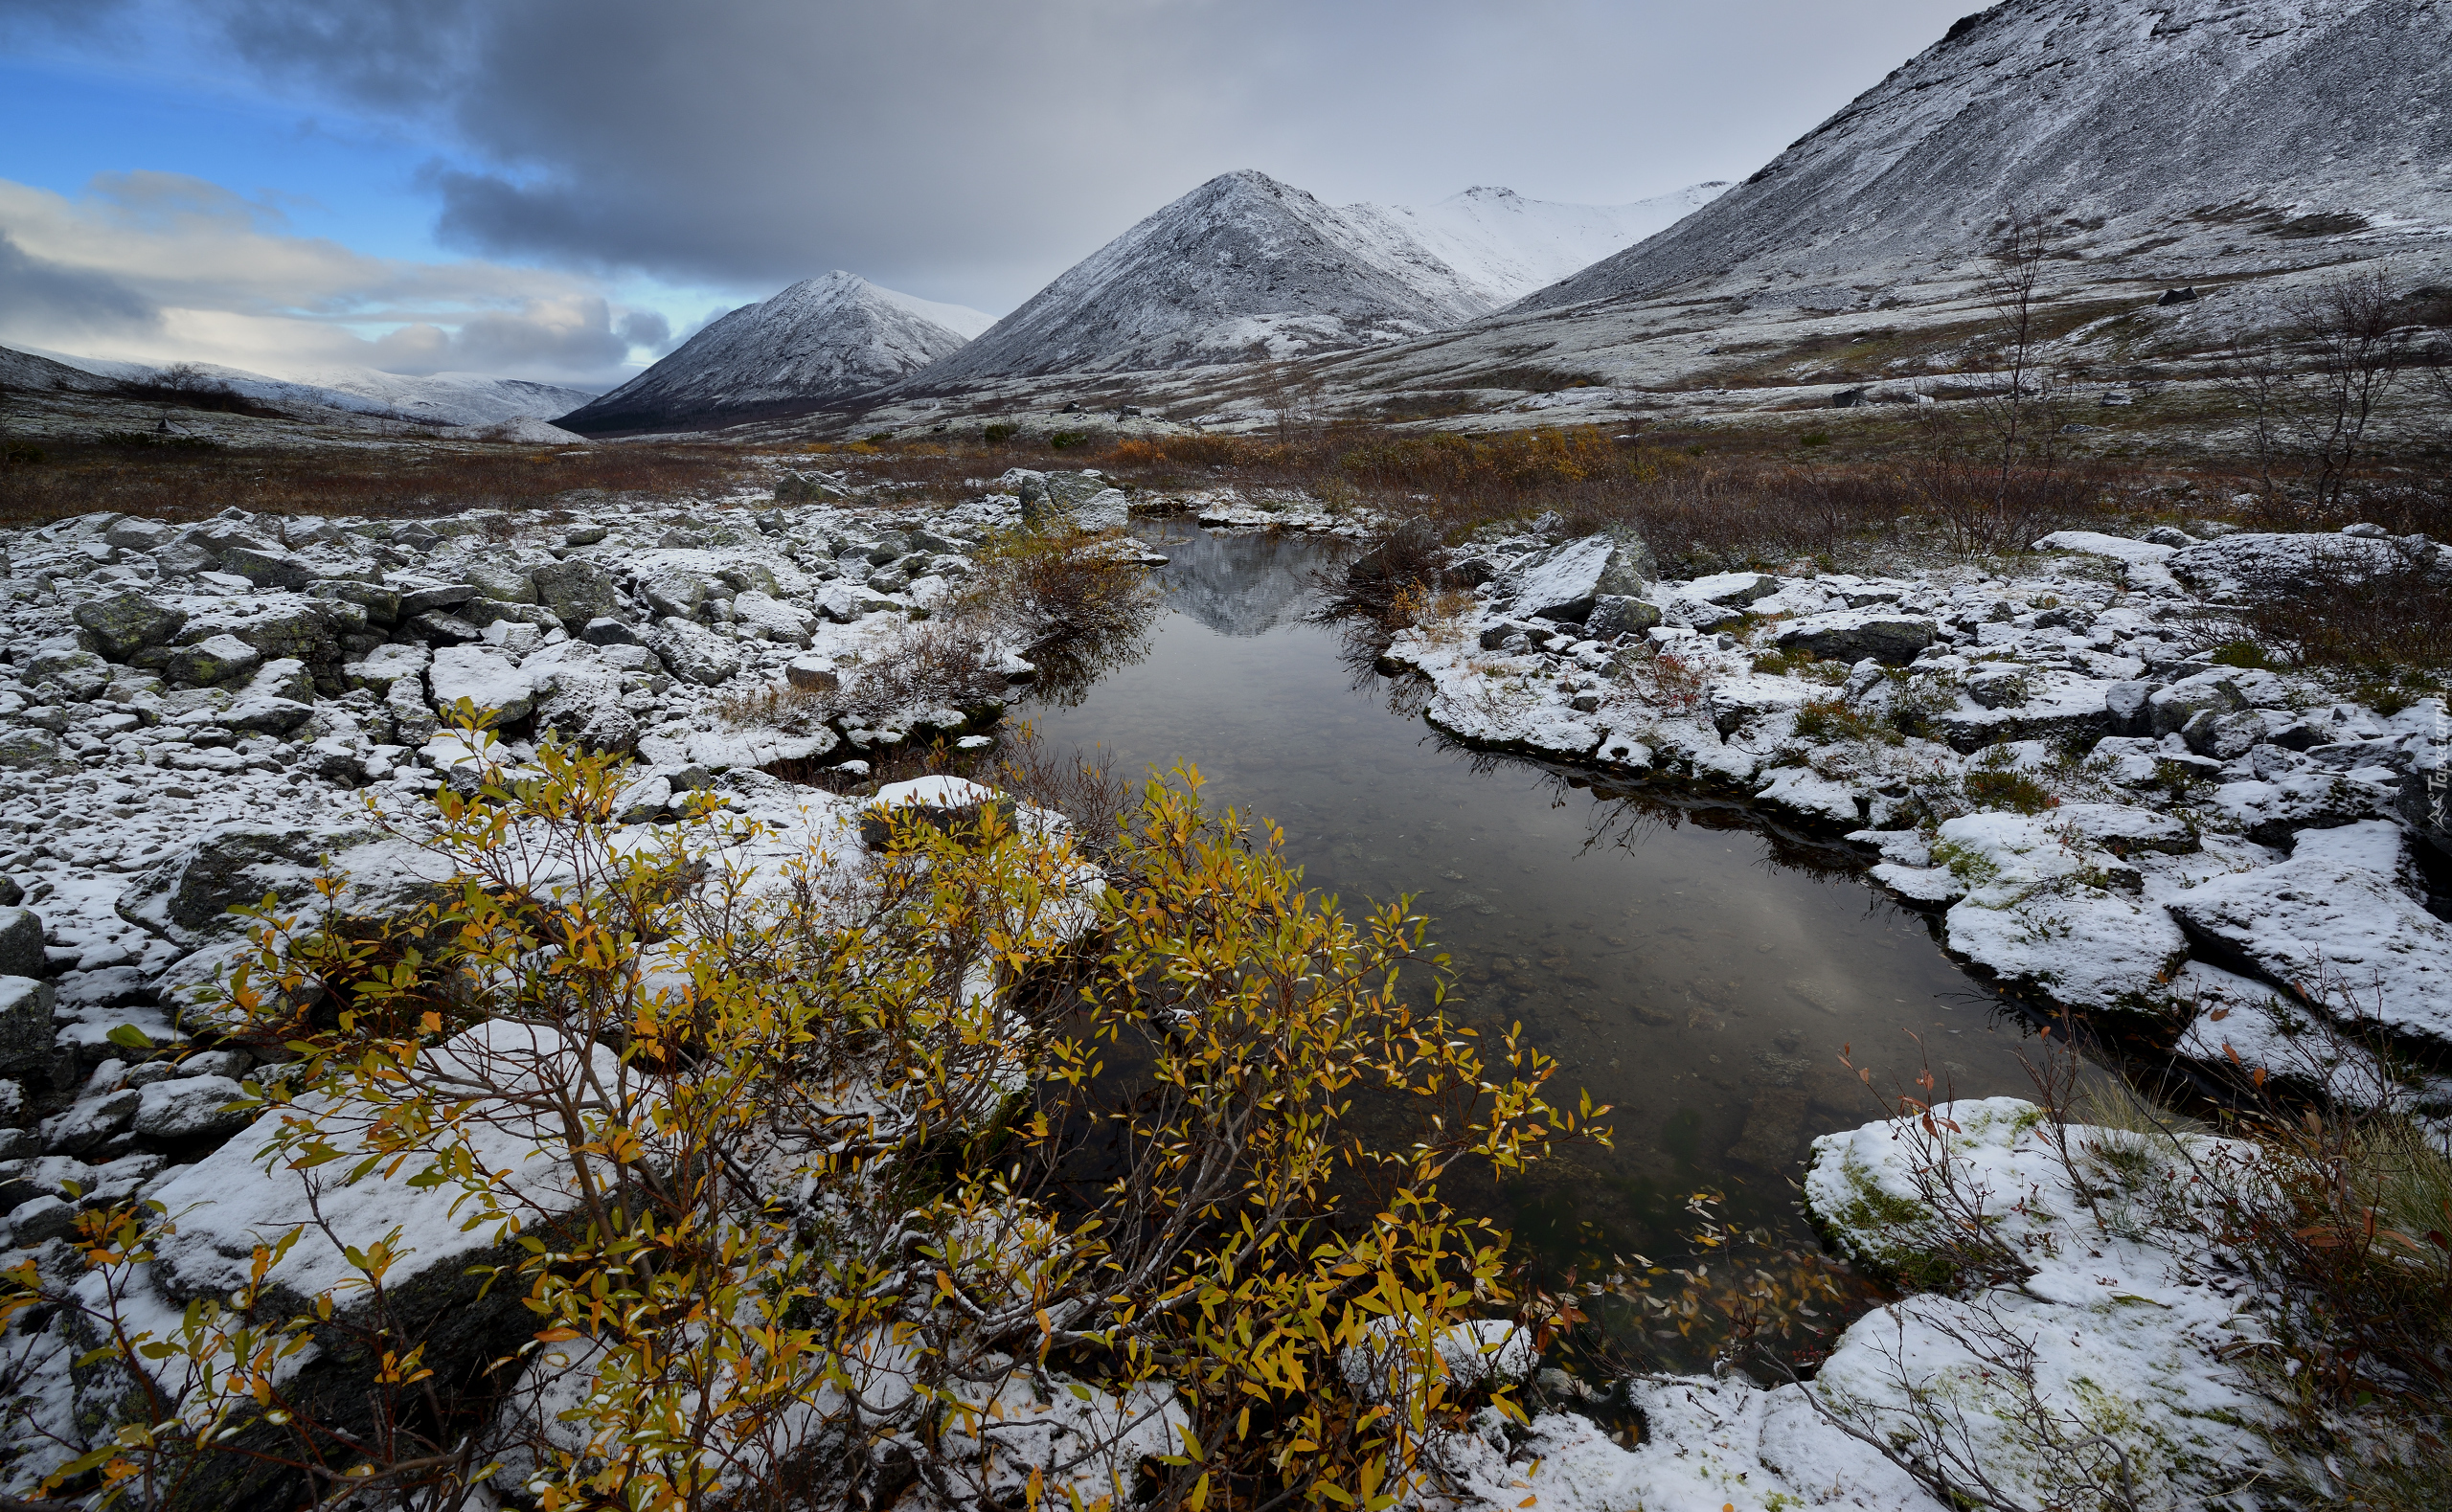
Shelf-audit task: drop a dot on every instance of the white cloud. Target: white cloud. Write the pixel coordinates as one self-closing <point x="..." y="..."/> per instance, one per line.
<point x="159" y="267"/>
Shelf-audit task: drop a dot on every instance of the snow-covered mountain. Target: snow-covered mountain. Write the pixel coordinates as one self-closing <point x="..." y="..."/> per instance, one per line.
<point x="440" y="398"/>
<point x="1245" y="268"/>
<point x="821" y="341"/>
<point x="2205" y="137"/>
<point x="1502" y="246"/>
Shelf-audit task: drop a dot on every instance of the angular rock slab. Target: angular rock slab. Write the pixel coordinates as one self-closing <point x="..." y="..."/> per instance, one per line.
<point x="1851" y="635"/>
<point x="2341" y="936"/>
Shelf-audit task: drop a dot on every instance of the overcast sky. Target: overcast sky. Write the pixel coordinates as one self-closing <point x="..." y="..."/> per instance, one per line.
<point x="561" y="188"/>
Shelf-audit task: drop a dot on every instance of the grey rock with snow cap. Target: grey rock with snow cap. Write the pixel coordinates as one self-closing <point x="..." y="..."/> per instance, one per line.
<point x="217" y="658"/>
<point x="692" y="652"/>
<point x="485" y="677"/>
<point x="25" y="1024"/>
<point x="267" y="566"/>
<point x="2168" y="709"/>
<point x="1562" y="582"/>
<point x="21" y="947"/>
<point x="578" y="592"/>
<point x="379" y="668"/>
<point x="190" y="1108"/>
<point x="1853" y="635"/>
<point x="127" y="622"/>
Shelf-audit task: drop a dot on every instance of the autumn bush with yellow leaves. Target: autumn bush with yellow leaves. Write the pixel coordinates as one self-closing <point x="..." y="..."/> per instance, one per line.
<point x="952" y="1165"/>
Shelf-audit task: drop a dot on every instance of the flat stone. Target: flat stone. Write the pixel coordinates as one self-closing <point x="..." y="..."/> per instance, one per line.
<point x="445" y="596"/>
<point x="215" y="659"/>
<point x="1853" y="635"/>
<point x="1731" y="590"/>
<point x="2339" y="934"/>
<point x="267" y="566"/>
<point x="607" y="630"/>
<point x="190" y="1108"/>
<point x="483" y="676"/>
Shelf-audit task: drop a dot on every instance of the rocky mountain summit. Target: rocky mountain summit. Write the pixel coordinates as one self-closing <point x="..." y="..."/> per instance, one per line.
<point x="1247" y="268"/>
<point x="820" y="341"/>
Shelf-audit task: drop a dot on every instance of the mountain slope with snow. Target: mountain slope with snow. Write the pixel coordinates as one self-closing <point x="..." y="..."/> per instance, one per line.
<point x="1504" y="246"/>
<point x="1247" y="268"/>
<point x="440" y="398"/>
<point x="821" y="341"/>
<point x="2232" y="136"/>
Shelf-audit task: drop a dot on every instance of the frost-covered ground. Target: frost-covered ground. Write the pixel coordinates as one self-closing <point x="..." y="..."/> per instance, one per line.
<point x="2106" y="820"/>
<point x="198" y="713"/>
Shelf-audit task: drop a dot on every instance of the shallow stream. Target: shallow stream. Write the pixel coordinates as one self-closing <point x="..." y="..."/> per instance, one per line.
<point x="1683" y="960"/>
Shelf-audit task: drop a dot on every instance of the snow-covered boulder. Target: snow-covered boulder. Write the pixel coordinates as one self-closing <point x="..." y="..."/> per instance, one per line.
<point x="1562" y="582"/>
<point x="2337" y="930"/>
<point x="485" y="677"/>
<point x="1851" y="635"/>
<point x="692" y="652"/>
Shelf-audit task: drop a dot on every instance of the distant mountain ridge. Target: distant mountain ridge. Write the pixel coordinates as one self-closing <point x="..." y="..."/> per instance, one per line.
<point x="1245" y="268"/>
<point x="439" y="398"/>
<point x="2231" y="135"/>
<point x="822" y="340"/>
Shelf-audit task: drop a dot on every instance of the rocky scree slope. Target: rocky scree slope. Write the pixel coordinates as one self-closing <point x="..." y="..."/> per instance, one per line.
<point x="821" y="341"/>
<point x="2201" y="138"/>
<point x="2103" y="818"/>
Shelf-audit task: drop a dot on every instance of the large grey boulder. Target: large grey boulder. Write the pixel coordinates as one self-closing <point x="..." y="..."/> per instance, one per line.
<point x="2170" y="711"/>
<point x="21" y="953"/>
<point x="190" y="1108"/>
<point x="1562" y="582"/>
<point x="2339" y="933"/>
<point x="676" y="592"/>
<point x="201" y="664"/>
<point x="187" y="897"/>
<point x="387" y="665"/>
<point x="382" y="604"/>
<point x="2283" y="563"/>
<point x="1851" y="635"/>
<point x="504" y="583"/>
<point x="127" y="622"/>
<point x="692" y="652"/>
<point x="578" y="592"/>
<point x="485" y="677"/>
<point x="579" y="696"/>
<point x="25" y="1025"/>
<point x="71" y="661"/>
<point x="267" y="566"/>
<point x="132" y="534"/>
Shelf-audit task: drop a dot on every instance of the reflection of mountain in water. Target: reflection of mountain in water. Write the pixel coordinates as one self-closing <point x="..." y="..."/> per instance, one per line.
<point x="1241" y="584"/>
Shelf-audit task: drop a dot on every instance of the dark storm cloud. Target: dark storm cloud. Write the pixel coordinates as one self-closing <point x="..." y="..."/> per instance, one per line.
<point x="46" y="302"/>
<point x="970" y="149"/>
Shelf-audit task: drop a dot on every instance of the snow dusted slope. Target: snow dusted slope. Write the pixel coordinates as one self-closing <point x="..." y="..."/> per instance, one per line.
<point x="1502" y="246"/>
<point x="823" y="340"/>
<point x="1244" y="268"/>
<point x="454" y="398"/>
<point x="441" y="398"/>
<point x="2237" y="136"/>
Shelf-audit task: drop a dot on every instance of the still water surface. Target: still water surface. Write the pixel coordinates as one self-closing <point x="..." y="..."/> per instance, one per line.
<point x="1683" y="963"/>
